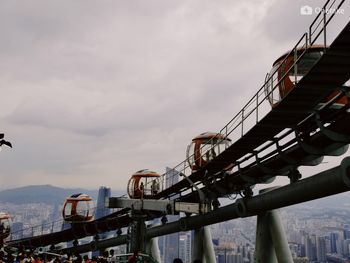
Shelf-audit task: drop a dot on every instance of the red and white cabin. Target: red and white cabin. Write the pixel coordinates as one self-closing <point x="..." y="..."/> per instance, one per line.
<point x="144" y="184"/>
<point x="205" y="147"/>
<point x="78" y="208"/>
<point x="5" y="225"/>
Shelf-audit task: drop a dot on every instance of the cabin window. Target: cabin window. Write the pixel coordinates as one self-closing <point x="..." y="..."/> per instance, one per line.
<point x="306" y="63"/>
<point x="68" y="209"/>
<point x="83" y="208"/>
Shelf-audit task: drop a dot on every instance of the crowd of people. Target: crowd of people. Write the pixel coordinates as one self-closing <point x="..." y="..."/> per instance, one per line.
<point x="30" y="257"/>
<point x="179" y="260"/>
<point x="106" y="257"/>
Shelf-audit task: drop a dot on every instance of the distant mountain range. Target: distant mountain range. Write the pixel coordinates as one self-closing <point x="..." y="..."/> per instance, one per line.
<point x="41" y="194"/>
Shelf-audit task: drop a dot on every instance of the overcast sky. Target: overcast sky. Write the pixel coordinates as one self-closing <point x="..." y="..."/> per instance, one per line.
<point x="93" y="91"/>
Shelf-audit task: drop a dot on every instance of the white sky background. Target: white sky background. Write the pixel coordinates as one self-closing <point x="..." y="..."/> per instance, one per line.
<point x="93" y="91"/>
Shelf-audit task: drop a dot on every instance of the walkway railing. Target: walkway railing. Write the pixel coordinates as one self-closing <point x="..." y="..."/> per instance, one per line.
<point x="45" y="228"/>
<point x="37" y="230"/>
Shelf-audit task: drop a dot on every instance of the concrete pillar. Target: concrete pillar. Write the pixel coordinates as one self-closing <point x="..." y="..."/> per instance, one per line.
<point x="197" y="251"/>
<point x="137" y="241"/>
<point x="152" y="249"/>
<point x="271" y="242"/>
<point x="264" y="250"/>
<point x="279" y="238"/>
<point x="208" y="247"/>
<point x="203" y="248"/>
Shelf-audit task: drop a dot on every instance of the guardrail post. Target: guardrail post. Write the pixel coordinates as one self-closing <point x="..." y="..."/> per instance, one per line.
<point x="242" y="121"/>
<point x="257" y="108"/>
<point x="295" y="66"/>
<point x="324" y="27"/>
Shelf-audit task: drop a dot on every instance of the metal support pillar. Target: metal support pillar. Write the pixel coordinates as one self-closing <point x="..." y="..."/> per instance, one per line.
<point x="203" y="248"/>
<point x="279" y="238"/>
<point x="209" y="252"/>
<point x="137" y="233"/>
<point x="271" y="242"/>
<point x="197" y="250"/>
<point x="152" y="248"/>
<point x="264" y="250"/>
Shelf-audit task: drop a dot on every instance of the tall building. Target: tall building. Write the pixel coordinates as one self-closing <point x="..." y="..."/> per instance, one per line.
<point x="234" y="258"/>
<point x="221" y="258"/>
<point x="101" y="210"/>
<point x="347" y="248"/>
<point x="321" y="249"/>
<point x="334" y="238"/>
<point x="346" y="234"/>
<point x="185" y="249"/>
<point x="169" y="244"/>
<point x="310" y="247"/>
<point x="301" y="260"/>
<point x="340" y="246"/>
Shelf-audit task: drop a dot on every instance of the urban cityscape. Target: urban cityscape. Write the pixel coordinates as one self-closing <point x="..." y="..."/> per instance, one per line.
<point x="315" y="233"/>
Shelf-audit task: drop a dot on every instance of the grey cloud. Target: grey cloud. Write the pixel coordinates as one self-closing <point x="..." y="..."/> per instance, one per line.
<point x="98" y="90"/>
<point x="285" y="24"/>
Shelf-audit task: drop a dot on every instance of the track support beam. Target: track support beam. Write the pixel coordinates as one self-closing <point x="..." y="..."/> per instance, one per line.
<point x="330" y="182"/>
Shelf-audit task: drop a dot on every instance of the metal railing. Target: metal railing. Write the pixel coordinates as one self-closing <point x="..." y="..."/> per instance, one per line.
<point x="45" y="228"/>
<point x="319" y="25"/>
<point x="37" y="230"/>
<point x="238" y="124"/>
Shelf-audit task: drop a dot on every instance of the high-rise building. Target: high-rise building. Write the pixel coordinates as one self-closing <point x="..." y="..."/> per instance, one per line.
<point x="101" y="210"/>
<point x="347" y="248"/>
<point x="346" y="233"/>
<point x="340" y="245"/>
<point x="294" y="249"/>
<point x="169" y="244"/>
<point x="301" y="260"/>
<point x="220" y="258"/>
<point x="321" y="249"/>
<point x="234" y="258"/>
<point x="334" y="238"/>
<point x="310" y="247"/>
<point x="185" y="249"/>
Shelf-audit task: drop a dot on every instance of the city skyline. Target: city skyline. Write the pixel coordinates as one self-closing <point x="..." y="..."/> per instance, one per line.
<point x="312" y="232"/>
